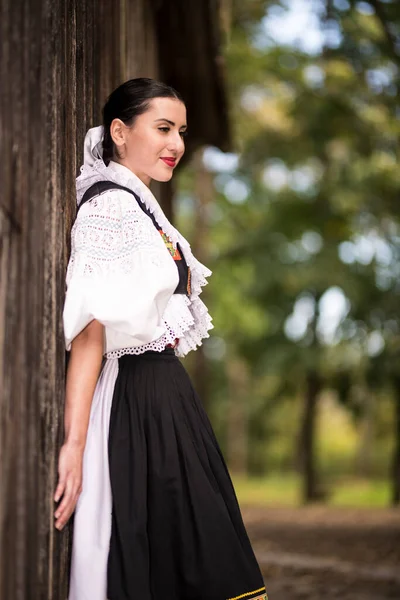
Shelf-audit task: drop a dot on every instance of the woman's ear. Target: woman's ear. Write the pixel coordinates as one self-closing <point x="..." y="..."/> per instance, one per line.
<point x="118" y="132"/>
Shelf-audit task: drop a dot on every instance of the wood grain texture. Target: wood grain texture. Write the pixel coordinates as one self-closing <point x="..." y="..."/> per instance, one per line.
<point x="59" y="60"/>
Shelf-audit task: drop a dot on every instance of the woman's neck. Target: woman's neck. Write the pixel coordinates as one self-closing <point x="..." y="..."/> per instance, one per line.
<point x="143" y="178"/>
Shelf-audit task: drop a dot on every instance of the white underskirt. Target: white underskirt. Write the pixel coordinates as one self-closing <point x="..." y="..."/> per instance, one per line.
<point x="92" y="523"/>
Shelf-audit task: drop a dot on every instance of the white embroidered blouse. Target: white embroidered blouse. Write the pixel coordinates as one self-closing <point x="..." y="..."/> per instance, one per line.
<point x="122" y="274"/>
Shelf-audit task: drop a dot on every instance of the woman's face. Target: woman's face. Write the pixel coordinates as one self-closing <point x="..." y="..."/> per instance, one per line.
<point x="154" y="145"/>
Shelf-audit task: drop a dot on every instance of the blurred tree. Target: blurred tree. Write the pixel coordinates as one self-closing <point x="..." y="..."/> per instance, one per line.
<point x="319" y="135"/>
<point x="305" y="227"/>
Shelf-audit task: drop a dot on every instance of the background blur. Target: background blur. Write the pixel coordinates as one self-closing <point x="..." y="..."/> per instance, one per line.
<point x="289" y="192"/>
<point x="300" y="224"/>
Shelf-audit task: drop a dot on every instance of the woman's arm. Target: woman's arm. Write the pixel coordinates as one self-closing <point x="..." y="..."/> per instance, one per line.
<point x="83" y="372"/>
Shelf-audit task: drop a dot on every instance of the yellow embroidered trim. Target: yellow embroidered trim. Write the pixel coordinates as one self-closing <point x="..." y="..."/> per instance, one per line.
<point x="189" y="282"/>
<point x="247" y="594"/>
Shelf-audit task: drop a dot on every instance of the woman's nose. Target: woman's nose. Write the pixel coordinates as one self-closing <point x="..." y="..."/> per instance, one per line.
<point x="176" y="143"/>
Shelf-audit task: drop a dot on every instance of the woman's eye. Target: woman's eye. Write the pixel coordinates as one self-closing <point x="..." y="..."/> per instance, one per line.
<point x="183" y="134"/>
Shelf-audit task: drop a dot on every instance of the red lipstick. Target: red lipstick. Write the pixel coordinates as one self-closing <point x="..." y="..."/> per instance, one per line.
<point x="171" y="162"/>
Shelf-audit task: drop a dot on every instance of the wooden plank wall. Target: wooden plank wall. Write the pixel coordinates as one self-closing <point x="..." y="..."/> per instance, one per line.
<point x="59" y="60"/>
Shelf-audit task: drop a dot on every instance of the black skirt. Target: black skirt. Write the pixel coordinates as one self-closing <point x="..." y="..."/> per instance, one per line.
<point x="177" y="532"/>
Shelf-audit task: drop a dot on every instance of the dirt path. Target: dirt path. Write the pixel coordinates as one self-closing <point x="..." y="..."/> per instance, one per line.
<point x="324" y="554"/>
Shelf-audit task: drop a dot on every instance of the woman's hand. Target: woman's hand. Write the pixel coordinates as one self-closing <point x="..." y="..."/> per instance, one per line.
<point x="69" y="482"/>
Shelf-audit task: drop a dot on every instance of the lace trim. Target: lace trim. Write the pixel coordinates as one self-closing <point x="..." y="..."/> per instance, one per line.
<point x="157" y="345"/>
<point x="184" y="319"/>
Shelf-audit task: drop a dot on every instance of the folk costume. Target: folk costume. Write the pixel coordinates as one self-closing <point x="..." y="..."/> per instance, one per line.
<point x="157" y="516"/>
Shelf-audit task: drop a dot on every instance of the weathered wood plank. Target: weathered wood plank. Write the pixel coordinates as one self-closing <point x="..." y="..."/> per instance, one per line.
<point x="59" y="60"/>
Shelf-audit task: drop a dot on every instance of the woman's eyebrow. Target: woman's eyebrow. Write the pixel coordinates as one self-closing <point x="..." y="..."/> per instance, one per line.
<point x="169" y="122"/>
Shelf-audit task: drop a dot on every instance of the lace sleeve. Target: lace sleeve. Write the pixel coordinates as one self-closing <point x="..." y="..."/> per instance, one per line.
<point x="119" y="273"/>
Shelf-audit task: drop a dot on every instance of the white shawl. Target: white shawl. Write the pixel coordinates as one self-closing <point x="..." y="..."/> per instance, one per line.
<point x="96" y="238"/>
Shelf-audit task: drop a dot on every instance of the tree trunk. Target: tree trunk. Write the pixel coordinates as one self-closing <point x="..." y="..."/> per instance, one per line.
<point x="165" y="193"/>
<point x="204" y="191"/>
<point x="236" y="416"/>
<point x="364" y="451"/>
<point x="310" y="490"/>
<point x="396" y="453"/>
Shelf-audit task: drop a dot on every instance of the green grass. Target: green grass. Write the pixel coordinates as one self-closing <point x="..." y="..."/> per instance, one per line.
<point x="284" y="490"/>
<point x="361" y="492"/>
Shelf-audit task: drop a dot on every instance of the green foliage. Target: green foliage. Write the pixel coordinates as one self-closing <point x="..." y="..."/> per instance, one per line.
<point x="317" y="135"/>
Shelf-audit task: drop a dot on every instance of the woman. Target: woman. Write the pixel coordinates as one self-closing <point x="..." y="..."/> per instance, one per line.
<point x="156" y="515"/>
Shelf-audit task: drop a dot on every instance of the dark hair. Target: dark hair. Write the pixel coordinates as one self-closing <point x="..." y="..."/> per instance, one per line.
<point x="127" y="102"/>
